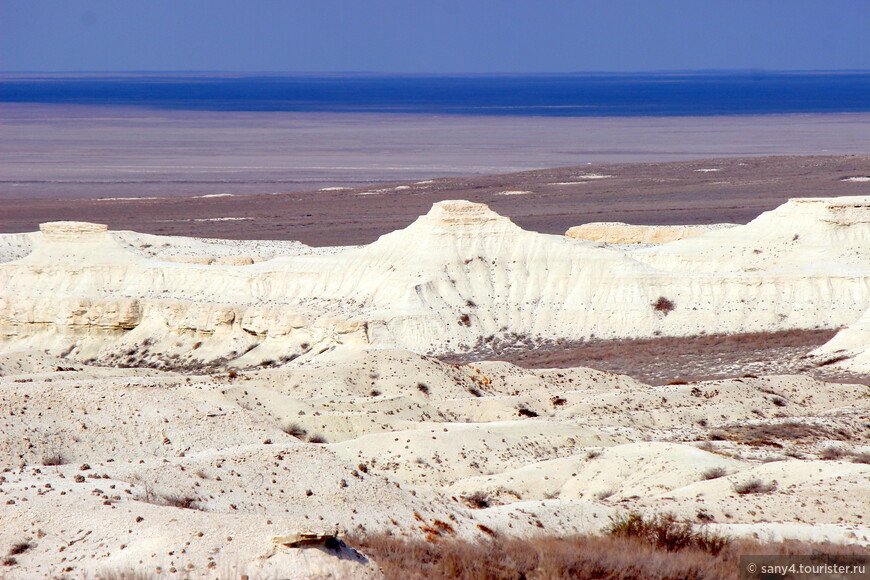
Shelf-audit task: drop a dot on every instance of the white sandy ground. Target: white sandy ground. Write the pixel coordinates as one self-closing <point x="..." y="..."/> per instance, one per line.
<point x="398" y="458"/>
<point x="303" y="397"/>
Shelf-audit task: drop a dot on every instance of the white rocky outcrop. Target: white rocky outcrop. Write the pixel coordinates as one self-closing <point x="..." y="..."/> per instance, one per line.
<point x="849" y="350"/>
<point x="622" y="233"/>
<point x="454" y="277"/>
<point x="804" y="236"/>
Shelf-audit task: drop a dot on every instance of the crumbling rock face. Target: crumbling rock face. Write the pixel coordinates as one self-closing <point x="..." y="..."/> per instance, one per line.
<point x="455" y="277"/>
<point x="72" y="231"/>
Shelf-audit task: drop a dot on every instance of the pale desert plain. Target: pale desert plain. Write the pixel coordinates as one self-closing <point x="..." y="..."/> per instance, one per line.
<point x="195" y="407"/>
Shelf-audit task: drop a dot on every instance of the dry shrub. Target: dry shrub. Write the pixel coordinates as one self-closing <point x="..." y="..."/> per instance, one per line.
<point x="294" y="430"/>
<point x="663" y="305"/>
<point x="714" y="473"/>
<point x="665" y="532"/>
<point x="54" y="458"/>
<point x="863" y="457"/>
<point x="754" y="486"/>
<point x="833" y="452"/>
<point x="180" y="501"/>
<point x="478" y="500"/>
<point x="19" y="548"/>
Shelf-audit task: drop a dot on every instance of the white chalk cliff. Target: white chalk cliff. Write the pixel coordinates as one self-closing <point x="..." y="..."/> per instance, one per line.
<point x="454" y="277"/>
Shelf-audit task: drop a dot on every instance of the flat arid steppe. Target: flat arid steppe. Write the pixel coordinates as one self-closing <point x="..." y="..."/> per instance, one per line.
<point x="226" y="387"/>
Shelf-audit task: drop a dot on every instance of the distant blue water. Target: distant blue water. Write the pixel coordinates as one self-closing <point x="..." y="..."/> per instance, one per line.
<point x="609" y="95"/>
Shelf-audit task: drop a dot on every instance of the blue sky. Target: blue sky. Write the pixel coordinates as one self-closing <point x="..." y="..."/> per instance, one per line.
<point x="433" y="36"/>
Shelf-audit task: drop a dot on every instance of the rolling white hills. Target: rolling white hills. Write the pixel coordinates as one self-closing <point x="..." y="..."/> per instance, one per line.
<point x="170" y="405"/>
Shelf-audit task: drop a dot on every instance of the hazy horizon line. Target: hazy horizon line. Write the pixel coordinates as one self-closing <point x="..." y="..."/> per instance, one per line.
<point x="749" y="71"/>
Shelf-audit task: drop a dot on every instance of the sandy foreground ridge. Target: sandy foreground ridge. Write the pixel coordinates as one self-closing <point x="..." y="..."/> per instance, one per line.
<point x="186" y="407"/>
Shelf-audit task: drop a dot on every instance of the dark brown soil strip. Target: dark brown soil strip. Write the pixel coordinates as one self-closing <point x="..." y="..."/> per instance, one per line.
<point x="663" y="360"/>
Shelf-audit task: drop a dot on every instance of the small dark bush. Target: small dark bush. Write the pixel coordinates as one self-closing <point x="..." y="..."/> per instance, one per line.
<point x="294" y="430"/>
<point x="316" y="439"/>
<point x="663" y="305"/>
<point x="423" y="388"/>
<point x="754" y="486"/>
<point x="478" y="500"/>
<point x="55" y="458"/>
<point x="832" y="453"/>
<point x="180" y="501"/>
<point x="863" y="457"/>
<point x="714" y="473"/>
<point x="524" y="412"/>
<point x="19" y="548"/>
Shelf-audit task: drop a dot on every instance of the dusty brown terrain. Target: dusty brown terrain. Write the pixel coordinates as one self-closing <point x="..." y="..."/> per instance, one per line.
<point x="641" y="193"/>
<point x="665" y="360"/>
